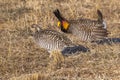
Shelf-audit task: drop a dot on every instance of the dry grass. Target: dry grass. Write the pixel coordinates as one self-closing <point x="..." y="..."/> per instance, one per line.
<point x="22" y="59"/>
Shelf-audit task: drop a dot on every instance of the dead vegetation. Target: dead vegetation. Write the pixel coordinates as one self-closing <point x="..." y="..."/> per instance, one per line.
<point x="22" y="59"/>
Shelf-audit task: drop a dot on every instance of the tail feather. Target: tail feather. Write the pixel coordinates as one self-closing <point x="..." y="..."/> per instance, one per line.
<point x="58" y="15"/>
<point x="100" y="16"/>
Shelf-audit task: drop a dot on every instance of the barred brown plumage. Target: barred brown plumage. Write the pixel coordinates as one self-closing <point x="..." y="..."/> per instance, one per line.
<point x="83" y="29"/>
<point x="52" y="40"/>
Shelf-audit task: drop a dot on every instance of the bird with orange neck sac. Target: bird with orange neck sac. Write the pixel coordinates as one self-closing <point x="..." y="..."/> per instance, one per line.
<point x="87" y="30"/>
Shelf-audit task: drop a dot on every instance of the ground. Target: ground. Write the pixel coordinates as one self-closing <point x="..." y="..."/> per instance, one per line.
<point x="22" y="59"/>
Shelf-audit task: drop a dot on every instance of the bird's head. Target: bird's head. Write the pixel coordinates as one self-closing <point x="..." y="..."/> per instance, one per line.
<point x="64" y="25"/>
<point x="34" y="28"/>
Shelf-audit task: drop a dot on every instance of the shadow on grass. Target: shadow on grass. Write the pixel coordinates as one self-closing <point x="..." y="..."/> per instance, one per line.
<point x="109" y="41"/>
<point x="73" y="50"/>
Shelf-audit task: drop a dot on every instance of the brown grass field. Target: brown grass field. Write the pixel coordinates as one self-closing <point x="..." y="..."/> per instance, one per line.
<point x="22" y="59"/>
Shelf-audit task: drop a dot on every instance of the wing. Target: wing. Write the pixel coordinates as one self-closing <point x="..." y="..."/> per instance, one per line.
<point x="88" y="32"/>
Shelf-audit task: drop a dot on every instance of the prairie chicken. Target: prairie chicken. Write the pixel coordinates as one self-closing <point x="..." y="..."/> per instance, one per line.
<point x="52" y="40"/>
<point x="83" y="29"/>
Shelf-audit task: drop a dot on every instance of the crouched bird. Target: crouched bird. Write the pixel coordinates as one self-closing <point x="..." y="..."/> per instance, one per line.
<point x="52" y="40"/>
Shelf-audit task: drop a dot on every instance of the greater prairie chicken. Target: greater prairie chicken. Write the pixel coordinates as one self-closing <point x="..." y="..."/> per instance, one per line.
<point x="52" y="40"/>
<point x="83" y="29"/>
